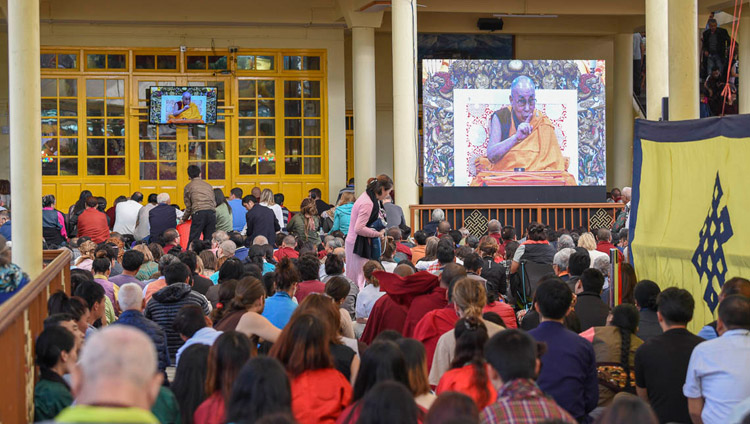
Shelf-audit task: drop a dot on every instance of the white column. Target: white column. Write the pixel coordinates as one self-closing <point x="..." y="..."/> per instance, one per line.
<point x="684" y="101"/>
<point x="25" y="134"/>
<point x="405" y="135"/>
<point x="363" y="82"/>
<point x="657" y="56"/>
<point x="743" y="96"/>
<point x="621" y="155"/>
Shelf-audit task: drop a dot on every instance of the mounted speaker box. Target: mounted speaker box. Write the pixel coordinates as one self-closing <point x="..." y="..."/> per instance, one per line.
<point x="490" y="24"/>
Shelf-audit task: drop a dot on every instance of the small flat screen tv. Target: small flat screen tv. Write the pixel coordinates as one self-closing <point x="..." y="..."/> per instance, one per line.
<point x="182" y="105"/>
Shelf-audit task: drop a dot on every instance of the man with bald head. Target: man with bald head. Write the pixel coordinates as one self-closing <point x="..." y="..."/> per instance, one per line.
<point x="522" y="138"/>
<point x="116" y="379"/>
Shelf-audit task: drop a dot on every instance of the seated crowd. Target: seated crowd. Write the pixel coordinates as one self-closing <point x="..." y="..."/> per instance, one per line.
<point x="278" y="318"/>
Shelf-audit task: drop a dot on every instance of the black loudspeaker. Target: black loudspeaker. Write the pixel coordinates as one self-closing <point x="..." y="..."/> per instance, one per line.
<point x="490" y="24"/>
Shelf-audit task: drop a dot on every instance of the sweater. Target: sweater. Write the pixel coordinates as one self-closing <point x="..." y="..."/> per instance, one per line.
<point x="297" y="227"/>
<point x="341" y="218"/>
<point x="319" y="396"/>
<point x="136" y="319"/>
<point x="223" y="218"/>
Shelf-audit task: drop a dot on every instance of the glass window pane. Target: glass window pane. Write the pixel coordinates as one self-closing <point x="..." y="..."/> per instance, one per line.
<point x="49" y="127"/>
<point x="293" y="166"/>
<point x="312" y="166"/>
<point x="246" y="88"/>
<point x="245" y="63"/>
<point x="68" y="107"/>
<point x="201" y="165"/>
<point x="312" y="126"/>
<point x="247" y="166"/>
<point x="247" y="127"/>
<point x="69" y="127"/>
<point x="266" y="127"/>
<point x="116" y="166"/>
<point x="293" y="63"/>
<point x="115" y="88"/>
<point x="95" y="147"/>
<point x="266" y="108"/>
<point x="115" y="147"/>
<point x="69" y="166"/>
<point x="68" y="147"/>
<point x="292" y="108"/>
<point x="49" y="107"/>
<point x="146" y="131"/>
<point x="267" y="167"/>
<point x="48" y="61"/>
<point x="116" y="61"/>
<point x="292" y="127"/>
<point x="49" y="166"/>
<point x="292" y="147"/>
<point x="247" y="146"/>
<point x="217" y="62"/>
<point x="148" y="171"/>
<point x="148" y="151"/>
<point x="116" y="127"/>
<point x="166" y="62"/>
<point x="96" y="61"/>
<point x="311" y="63"/>
<point x="292" y="89"/>
<point x="95" y="107"/>
<point x="247" y="108"/>
<point x="143" y="87"/>
<point x="95" y="127"/>
<point x="168" y="151"/>
<point x="168" y="170"/>
<point x="94" y="88"/>
<point x="216" y="170"/>
<point x="49" y="87"/>
<point x="216" y="131"/>
<point x="266" y="88"/>
<point x="145" y="61"/>
<point x="167" y="132"/>
<point x="311" y="88"/>
<point x="216" y="151"/>
<point x="197" y="150"/>
<point x="67" y="61"/>
<point x="68" y="88"/>
<point x="49" y="147"/>
<point x="312" y="108"/>
<point x="267" y="148"/>
<point x="95" y="166"/>
<point x="312" y="146"/>
<point x="196" y="62"/>
<point x="197" y="132"/>
<point x="219" y="90"/>
<point x="115" y="107"/>
<point x="264" y="63"/>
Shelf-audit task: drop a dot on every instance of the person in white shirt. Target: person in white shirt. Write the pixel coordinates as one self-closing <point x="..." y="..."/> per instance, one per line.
<point x="367" y="297"/>
<point x="126" y="214"/>
<point x="717" y="378"/>
<point x="142" y="225"/>
<point x="266" y="199"/>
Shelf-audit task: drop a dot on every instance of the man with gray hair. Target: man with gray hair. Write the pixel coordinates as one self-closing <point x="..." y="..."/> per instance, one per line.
<point x="132" y="304"/>
<point x="560" y="262"/>
<point x="260" y="241"/>
<point x="431" y="227"/>
<point x="162" y="217"/>
<point x="565" y="241"/>
<point x="116" y="379"/>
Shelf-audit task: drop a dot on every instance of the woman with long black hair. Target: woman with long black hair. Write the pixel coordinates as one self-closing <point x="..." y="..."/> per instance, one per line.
<point x="362" y="240"/>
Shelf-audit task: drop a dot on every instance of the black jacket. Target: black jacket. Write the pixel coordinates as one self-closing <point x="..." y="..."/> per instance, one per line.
<point x="161" y="218"/>
<point x="152" y="329"/>
<point x="723" y="42"/>
<point x="261" y="221"/>
<point x="164" y="305"/>
<point x="591" y="311"/>
<point x="201" y="284"/>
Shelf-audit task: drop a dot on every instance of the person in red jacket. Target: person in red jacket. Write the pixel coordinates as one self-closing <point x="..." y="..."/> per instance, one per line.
<point x="287" y="249"/>
<point x="604" y="242"/>
<point x="92" y="223"/>
<point x="319" y="392"/>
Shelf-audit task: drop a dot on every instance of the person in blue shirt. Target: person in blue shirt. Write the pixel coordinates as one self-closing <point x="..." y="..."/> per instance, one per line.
<point x="5" y="224"/>
<point x="238" y="211"/>
<point x="281" y="305"/>
<point x="569" y="366"/>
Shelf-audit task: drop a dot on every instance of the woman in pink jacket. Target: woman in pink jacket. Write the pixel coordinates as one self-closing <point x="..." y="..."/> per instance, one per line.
<point x="367" y="209"/>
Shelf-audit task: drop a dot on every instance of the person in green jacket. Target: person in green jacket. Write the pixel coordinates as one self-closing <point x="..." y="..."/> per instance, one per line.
<point x="223" y="212"/>
<point x="304" y="225"/>
<point x="343" y="214"/>
<point x="166" y="408"/>
<point x="56" y="355"/>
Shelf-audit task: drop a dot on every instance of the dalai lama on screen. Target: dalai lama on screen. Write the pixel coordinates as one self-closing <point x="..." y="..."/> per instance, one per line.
<point x="523" y="147"/>
<point x="185" y="111"/>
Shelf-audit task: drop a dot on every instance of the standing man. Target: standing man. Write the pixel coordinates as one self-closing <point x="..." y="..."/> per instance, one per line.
<point x="716" y="43"/>
<point x="142" y="227"/>
<point x="238" y="210"/>
<point x="200" y="205"/>
<point x="126" y="214"/>
<point x="637" y="62"/>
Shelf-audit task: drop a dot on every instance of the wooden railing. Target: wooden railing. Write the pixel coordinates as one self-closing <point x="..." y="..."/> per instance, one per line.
<point x="558" y="215"/>
<point x="21" y="320"/>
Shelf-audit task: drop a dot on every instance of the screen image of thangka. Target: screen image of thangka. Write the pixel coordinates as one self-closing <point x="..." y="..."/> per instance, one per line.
<point x="523" y="141"/>
<point x="185" y="111"/>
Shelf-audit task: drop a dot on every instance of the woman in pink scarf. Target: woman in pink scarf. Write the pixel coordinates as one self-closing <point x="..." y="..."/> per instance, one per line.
<point x="367" y="209"/>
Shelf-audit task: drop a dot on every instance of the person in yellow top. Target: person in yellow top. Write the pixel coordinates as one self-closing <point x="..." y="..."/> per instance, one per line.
<point x="523" y="138"/>
<point x="186" y="110"/>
